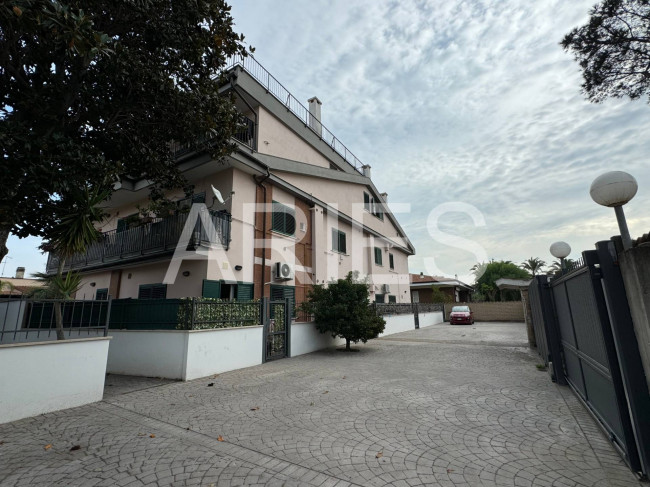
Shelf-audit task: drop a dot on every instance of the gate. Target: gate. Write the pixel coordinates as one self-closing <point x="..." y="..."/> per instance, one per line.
<point x="583" y="324"/>
<point x="276" y="320"/>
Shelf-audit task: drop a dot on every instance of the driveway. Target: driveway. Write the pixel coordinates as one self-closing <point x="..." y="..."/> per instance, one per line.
<point x="438" y="406"/>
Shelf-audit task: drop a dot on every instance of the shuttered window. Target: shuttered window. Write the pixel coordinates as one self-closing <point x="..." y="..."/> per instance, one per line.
<point x="244" y="291"/>
<point x="391" y="261"/>
<point x="101" y="294"/>
<point x="392" y="299"/>
<point x="283" y="219"/>
<point x="339" y="243"/>
<point x="211" y="289"/>
<point x="379" y="298"/>
<point x="378" y="256"/>
<point x="366" y="202"/>
<point x="152" y="291"/>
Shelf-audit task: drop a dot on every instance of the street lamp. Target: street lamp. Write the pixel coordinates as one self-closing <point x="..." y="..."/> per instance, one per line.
<point x="560" y="250"/>
<point x="614" y="189"/>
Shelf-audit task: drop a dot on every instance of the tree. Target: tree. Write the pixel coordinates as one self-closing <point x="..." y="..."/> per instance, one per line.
<point x="342" y="309"/>
<point x="613" y="50"/>
<point x="533" y="265"/>
<point x="94" y="92"/>
<point x="486" y="283"/>
<point x="439" y="296"/>
<point x="556" y="266"/>
<point x="72" y="233"/>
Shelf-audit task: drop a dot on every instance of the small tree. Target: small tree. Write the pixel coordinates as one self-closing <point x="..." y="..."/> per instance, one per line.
<point x="342" y="309"/>
<point x="439" y="296"/>
<point x="533" y="265"/>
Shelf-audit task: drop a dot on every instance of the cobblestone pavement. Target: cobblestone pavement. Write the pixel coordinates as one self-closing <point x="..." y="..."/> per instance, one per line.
<point x="406" y="410"/>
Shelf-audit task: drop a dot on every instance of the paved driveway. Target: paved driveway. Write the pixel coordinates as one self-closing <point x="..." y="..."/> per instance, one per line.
<point x="438" y="406"/>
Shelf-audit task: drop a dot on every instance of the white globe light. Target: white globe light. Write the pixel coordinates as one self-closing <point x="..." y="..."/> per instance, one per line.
<point x="560" y="250"/>
<point x="613" y="188"/>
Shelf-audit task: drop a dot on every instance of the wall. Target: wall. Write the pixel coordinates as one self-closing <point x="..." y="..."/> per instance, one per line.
<point x="216" y="351"/>
<point x="184" y="355"/>
<point x="305" y="338"/>
<point x="398" y="324"/>
<point x="159" y="353"/>
<point x="277" y="139"/>
<point x="47" y="376"/>
<point x="635" y="269"/>
<point x="492" y="311"/>
<point x="430" y="319"/>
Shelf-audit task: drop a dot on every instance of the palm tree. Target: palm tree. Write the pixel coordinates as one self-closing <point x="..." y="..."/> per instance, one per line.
<point x="72" y="234"/>
<point x="556" y="266"/>
<point x="533" y="265"/>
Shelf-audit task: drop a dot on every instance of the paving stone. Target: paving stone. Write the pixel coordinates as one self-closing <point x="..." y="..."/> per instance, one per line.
<point x="470" y="411"/>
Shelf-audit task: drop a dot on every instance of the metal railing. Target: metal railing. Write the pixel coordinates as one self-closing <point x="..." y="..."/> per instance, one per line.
<point x="33" y="320"/>
<point x="273" y="86"/>
<point x="246" y="135"/>
<point x="160" y="235"/>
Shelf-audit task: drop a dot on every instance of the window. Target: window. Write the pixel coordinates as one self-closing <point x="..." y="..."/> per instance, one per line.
<point x="379" y="298"/>
<point x="101" y="294"/>
<point x="391" y="261"/>
<point x="373" y="206"/>
<point x="152" y="291"/>
<point x="240" y="291"/>
<point x="283" y="219"/>
<point x="338" y="241"/>
<point x="415" y="296"/>
<point x="392" y="299"/>
<point x="378" y="256"/>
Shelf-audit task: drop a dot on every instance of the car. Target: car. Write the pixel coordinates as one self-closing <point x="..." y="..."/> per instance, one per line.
<point x="461" y="315"/>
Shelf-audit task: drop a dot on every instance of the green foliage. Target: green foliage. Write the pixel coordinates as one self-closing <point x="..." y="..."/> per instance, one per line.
<point x="494" y="270"/>
<point x="92" y="92"/>
<point x="534" y="265"/>
<point x="439" y="296"/>
<point x="613" y="50"/>
<point x="212" y="313"/>
<point x="342" y="310"/>
<point x="57" y="286"/>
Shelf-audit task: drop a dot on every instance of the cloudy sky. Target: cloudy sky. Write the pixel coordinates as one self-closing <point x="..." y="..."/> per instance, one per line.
<point x="457" y="103"/>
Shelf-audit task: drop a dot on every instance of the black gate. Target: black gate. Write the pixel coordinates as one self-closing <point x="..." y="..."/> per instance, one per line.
<point x="276" y="320"/>
<point x="583" y="325"/>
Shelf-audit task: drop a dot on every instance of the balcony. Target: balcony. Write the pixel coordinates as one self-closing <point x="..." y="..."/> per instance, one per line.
<point x="148" y="240"/>
<point x="246" y="135"/>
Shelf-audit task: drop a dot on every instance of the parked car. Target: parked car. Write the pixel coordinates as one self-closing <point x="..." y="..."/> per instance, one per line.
<point x="461" y="315"/>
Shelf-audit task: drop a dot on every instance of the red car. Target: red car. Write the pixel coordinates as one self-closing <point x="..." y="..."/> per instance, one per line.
<point x="461" y="315"/>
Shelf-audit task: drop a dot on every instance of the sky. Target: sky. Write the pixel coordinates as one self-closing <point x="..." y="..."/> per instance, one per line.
<point x="469" y="112"/>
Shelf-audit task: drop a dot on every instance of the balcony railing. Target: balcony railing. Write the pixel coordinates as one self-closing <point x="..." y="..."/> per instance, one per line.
<point x="246" y="135"/>
<point x="159" y="236"/>
<point x="273" y="86"/>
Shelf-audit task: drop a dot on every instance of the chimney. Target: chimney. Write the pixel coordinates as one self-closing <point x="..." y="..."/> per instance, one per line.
<point x="20" y="273"/>
<point x="385" y="196"/>
<point x="314" y="115"/>
<point x="366" y="170"/>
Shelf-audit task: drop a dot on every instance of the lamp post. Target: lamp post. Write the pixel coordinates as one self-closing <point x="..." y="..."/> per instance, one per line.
<point x="614" y="189"/>
<point x="560" y="250"/>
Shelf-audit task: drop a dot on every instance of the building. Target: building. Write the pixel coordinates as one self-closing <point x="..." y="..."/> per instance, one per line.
<point x="294" y="208"/>
<point x="422" y="288"/>
<point x="17" y="286"/>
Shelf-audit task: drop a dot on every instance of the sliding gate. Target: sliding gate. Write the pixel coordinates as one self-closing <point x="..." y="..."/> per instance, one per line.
<point x="585" y="319"/>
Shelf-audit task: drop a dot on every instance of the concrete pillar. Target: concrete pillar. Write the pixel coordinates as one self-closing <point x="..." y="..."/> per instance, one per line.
<point x="314" y="115"/>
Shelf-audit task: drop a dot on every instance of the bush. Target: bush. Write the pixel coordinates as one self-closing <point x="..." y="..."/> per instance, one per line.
<point x="342" y="310"/>
<point x="212" y="313"/>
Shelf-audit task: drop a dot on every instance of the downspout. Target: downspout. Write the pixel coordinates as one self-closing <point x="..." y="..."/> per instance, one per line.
<point x="260" y="183"/>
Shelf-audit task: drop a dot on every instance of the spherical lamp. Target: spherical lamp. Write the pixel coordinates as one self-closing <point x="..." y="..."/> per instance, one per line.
<point x="614" y="189"/>
<point x="560" y="250"/>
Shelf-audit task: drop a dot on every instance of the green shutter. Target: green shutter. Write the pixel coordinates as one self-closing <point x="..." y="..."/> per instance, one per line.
<point x="283" y="219"/>
<point x="366" y="201"/>
<point x="211" y="289"/>
<point x="101" y="294"/>
<point x="378" y="256"/>
<point x="392" y="299"/>
<point x="244" y="291"/>
<point x="391" y="261"/>
<point x="121" y="225"/>
<point x="342" y="243"/>
<point x="379" y="298"/>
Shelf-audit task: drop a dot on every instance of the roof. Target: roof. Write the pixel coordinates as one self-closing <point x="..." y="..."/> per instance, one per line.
<point x="417" y="278"/>
<point x="19" y="286"/>
<point x="419" y="281"/>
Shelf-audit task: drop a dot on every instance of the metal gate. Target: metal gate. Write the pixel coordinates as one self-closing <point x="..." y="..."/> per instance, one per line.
<point x="276" y="321"/>
<point x="583" y="324"/>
